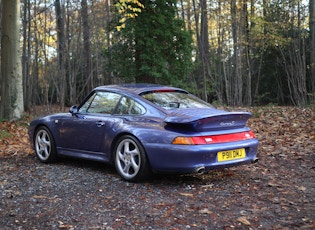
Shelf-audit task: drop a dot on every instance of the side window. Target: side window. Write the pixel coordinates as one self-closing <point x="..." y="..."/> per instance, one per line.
<point x="86" y="105"/>
<point x="101" y="102"/>
<point x="129" y="106"/>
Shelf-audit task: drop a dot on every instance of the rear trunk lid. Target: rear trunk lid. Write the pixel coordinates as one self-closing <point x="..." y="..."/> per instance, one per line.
<point x="207" y="119"/>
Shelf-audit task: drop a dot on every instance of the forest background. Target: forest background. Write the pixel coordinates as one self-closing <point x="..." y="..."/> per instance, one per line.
<point x="247" y="52"/>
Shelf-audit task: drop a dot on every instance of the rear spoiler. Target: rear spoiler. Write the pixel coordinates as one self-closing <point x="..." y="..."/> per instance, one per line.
<point x="208" y="119"/>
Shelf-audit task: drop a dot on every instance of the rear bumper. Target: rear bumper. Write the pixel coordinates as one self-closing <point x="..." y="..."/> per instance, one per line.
<point x="196" y="158"/>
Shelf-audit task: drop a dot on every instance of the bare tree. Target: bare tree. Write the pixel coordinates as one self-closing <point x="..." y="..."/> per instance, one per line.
<point x="235" y="42"/>
<point x="293" y="58"/>
<point x="203" y="50"/>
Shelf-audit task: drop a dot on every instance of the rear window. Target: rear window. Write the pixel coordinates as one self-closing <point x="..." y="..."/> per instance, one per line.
<point x="175" y="99"/>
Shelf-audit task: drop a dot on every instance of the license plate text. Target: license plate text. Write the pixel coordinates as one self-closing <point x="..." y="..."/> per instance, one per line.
<point x="231" y="154"/>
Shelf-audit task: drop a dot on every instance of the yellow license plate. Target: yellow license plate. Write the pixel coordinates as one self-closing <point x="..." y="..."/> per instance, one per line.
<point x="231" y="155"/>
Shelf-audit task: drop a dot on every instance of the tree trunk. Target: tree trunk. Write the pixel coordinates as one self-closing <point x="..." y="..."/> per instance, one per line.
<point x="238" y="30"/>
<point x="197" y="32"/>
<point x="202" y="35"/>
<point x="312" y="46"/>
<point x="237" y="61"/>
<point x="11" y="104"/>
<point x="71" y="74"/>
<point x="204" y="47"/>
<point x="248" y="43"/>
<point x="27" y="92"/>
<point x="61" y="53"/>
<point x="109" y="77"/>
<point x="86" y="71"/>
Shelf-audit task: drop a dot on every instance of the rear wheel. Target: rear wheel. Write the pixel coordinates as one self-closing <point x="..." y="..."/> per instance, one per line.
<point x="130" y="159"/>
<point x="44" y="144"/>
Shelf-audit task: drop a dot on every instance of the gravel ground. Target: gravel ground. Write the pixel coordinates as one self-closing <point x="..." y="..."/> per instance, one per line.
<point x="276" y="193"/>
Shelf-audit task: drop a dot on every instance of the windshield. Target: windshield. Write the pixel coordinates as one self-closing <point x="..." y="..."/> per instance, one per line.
<point x="175" y="99"/>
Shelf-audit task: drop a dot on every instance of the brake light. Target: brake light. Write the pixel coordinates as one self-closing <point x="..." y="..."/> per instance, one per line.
<point x="213" y="139"/>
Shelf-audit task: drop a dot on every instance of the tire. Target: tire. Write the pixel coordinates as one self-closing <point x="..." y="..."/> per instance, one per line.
<point x="44" y="145"/>
<point x="130" y="159"/>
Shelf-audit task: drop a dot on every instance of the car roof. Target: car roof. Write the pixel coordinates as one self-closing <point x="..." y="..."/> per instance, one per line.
<point x="138" y="88"/>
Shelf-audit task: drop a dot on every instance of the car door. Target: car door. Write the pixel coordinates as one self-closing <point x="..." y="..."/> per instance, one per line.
<point x="86" y="129"/>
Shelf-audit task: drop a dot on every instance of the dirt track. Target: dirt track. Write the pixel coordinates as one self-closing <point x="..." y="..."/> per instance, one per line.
<point x="87" y="195"/>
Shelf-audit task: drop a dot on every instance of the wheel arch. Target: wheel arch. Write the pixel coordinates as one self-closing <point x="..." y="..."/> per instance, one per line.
<point x="47" y="127"/>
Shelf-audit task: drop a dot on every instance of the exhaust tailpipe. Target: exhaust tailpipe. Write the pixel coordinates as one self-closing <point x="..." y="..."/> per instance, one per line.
<point x="200" y="170"/>
<point x="255" y="160"/>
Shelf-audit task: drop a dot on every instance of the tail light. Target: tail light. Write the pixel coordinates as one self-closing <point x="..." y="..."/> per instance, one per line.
<point x="213" y="139"/>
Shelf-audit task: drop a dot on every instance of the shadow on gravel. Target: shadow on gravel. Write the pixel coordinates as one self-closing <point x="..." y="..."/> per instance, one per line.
<point x="109" y="170"/>
<point x="154" y="179"/>
<point x="90" y="165"/>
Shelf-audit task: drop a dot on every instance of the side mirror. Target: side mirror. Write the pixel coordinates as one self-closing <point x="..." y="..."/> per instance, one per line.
<point x="73" y="110"/>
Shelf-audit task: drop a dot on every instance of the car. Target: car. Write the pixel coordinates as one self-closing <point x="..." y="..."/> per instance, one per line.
<point x="146" y="128"/>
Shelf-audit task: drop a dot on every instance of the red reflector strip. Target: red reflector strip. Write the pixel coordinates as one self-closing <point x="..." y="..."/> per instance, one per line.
<point x="223" y="138"/>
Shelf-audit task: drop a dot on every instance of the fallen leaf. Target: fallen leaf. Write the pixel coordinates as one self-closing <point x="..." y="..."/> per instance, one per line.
<point x="302" y="188"/>
<point x="39" y="197"/>
<point x="243" y="220"/>
<point x="65" y="226"/>
<point x="205" y="211"/>
<point x="186" y="194"/>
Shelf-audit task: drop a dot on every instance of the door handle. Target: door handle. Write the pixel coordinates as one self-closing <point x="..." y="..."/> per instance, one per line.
<point x="100" y="123"/>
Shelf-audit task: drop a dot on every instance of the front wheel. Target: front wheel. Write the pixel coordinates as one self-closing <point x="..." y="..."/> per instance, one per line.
<point x="130" y="159"/>
<point x="44" y="144"/>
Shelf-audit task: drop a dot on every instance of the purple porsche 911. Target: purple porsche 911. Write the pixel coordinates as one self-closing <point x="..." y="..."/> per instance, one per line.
<point x="145" y="128"/>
